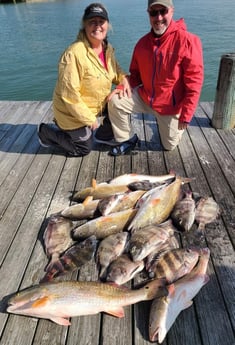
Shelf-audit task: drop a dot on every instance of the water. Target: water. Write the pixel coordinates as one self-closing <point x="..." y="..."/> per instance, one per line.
<point x="33" y="36"/>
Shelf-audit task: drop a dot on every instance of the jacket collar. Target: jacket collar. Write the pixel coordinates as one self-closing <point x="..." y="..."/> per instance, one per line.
<point x="173" y="27"/>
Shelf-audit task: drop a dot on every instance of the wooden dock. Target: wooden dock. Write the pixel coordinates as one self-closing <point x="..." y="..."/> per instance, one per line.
<point x="36" y="182"/>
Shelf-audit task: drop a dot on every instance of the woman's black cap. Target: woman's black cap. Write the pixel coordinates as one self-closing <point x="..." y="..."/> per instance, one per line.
<point x="95" y="10"/>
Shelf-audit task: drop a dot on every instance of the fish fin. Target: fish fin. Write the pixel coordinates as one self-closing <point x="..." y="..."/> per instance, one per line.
<point x="87" y="200"/>
<point x="47" y="277"/>
<point x="171" y="289"/>
<point x="40" y="302"/>
<point x="106" y="219"/>
<point x="94" y="183"/>
<point x="186" y="303"/>
<point x="54" y="268"/>
<point x="116" y="312"/>
<point x="61" y="321"/>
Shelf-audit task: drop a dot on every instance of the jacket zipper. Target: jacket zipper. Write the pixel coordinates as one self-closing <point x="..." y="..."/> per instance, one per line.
<point x="153" y="77"/>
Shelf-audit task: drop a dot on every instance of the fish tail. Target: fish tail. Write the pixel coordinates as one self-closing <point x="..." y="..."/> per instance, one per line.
<point x="187" y="179"/>
<point x="53" y="269"/>
<point x="47" y="277"/>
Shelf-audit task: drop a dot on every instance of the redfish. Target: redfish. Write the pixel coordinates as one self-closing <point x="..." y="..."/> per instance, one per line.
<point x="104" y="226"/>
<point x="58" y="301"/>
<point x="100" y="191"/>
<point x="130" y="178"/>
<point x="84" y="210"/>
<point x="119" y="202"/>
<point x="158" y="204"/>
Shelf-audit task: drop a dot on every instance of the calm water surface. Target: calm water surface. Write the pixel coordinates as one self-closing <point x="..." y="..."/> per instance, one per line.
<point x="33" y="36"/>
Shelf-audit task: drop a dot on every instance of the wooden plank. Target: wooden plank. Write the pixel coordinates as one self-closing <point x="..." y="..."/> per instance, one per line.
<point x="228" y="136"/>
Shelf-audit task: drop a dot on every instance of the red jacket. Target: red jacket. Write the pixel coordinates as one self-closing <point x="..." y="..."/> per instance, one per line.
<point x="170" y="69"/>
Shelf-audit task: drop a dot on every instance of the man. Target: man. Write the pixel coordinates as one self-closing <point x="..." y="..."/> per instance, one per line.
<point x="166" y="76"/>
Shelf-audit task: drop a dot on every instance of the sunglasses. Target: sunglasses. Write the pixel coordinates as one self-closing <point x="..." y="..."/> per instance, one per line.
<point x="162" y="12"/>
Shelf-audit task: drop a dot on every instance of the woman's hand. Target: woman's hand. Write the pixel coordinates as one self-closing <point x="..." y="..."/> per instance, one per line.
<point x="95" y="125"/>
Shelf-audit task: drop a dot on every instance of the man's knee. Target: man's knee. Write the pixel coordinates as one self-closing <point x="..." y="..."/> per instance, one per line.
<point x="114" y="102"/>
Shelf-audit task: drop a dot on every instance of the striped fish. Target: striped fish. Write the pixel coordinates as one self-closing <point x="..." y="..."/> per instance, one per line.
<point x="174" y="264"/>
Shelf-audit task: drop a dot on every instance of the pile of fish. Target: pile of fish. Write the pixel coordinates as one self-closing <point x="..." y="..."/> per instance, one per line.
<point x="132" y="224"/>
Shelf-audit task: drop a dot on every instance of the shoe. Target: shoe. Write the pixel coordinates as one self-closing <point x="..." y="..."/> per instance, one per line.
<point x="125" y="147"/>
<point x="40" y="135"/>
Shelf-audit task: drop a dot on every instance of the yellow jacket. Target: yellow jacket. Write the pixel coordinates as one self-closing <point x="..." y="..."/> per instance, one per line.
<point x="83" y="84"/>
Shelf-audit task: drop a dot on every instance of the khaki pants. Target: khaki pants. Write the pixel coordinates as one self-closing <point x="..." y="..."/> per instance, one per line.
<point x="120" y="108"/>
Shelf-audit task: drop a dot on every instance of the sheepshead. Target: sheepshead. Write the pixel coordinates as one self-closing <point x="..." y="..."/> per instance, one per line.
<point x="119" y="202"/>
<point x="174" y="264"/>
<point x="207" y="211"/>
<point x="57" y="238"/>
<point x="58" y="301"/>
<point x="123" y="269"/>
<point x="130" y="178"/>
<point x="164" y="310"/>
<point x="184" y="211"/>
<point x="73" y="258"/>
<point x="104" y="226"/>
<point x="147" y="239"/>
<point x="100" y="191"/>
<point x="158" y="204"/>
<point x="84" y="210"/>
<point x="109" y="249"/>
<point x="171" y="243"/>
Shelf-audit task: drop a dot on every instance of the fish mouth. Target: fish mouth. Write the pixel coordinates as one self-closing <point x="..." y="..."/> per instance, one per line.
<point x="13" y="307"/>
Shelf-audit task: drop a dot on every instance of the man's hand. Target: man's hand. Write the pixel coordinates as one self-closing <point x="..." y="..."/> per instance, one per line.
<point x="182" y="125"/>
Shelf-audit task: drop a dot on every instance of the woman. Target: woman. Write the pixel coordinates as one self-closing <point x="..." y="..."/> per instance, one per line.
<point x="87" y="71"/>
